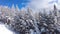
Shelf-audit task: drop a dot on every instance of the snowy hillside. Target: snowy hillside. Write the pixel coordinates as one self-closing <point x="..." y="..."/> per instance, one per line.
<point x="29" y="22"/>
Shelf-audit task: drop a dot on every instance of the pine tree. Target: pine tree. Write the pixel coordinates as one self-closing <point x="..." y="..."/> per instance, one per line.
<point x="46" y="23"/>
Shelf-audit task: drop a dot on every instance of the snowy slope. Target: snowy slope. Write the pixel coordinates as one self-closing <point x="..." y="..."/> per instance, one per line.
<point x="4" y="30"/>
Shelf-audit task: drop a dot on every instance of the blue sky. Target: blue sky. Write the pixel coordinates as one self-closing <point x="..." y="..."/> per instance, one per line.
<point x="20" y="3"/>
<point x="30" y="3"/>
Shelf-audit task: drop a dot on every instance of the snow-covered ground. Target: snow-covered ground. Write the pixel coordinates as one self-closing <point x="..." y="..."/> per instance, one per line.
<point x="4" y="30"/>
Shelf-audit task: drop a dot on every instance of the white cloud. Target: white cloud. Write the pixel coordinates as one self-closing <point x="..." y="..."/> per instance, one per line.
<point x="42" y="4"/>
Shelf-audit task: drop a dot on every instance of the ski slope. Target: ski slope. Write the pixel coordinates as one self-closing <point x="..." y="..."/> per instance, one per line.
<point x="4" y="30"/>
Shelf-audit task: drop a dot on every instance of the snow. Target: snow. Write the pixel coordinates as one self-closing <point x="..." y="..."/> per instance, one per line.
<point x="4" y="30"/>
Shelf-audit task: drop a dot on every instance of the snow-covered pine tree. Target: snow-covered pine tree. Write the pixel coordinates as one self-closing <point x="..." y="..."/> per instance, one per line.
<point x="46" y="23"/>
